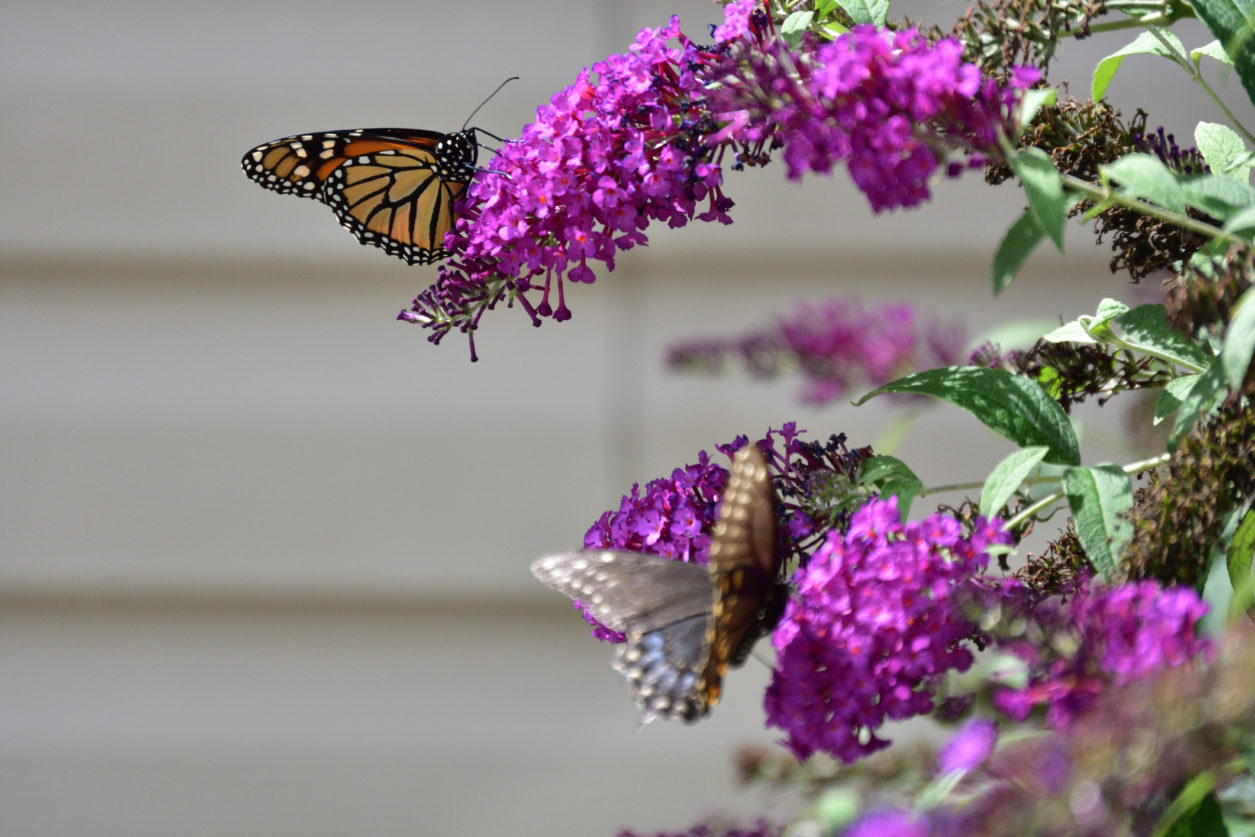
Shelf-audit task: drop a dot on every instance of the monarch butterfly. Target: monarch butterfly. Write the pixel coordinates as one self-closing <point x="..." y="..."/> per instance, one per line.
<point x="394" y="188"/>
<point x="686" y="624"/>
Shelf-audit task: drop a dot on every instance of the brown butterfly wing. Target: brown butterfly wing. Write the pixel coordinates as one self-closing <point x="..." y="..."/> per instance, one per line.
<point x="393" y="188"/>
<point x="744" y="568"/>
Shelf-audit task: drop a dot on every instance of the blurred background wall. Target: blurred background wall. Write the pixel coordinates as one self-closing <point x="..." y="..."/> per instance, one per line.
<point x="263" y="550"/>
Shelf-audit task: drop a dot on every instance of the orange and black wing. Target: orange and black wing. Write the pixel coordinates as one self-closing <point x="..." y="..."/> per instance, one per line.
<point x="744" y="568"/>
<point x="393" y="188"/>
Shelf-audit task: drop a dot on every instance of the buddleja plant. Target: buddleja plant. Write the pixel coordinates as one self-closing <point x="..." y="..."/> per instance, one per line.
<point x="1091" y="699"/>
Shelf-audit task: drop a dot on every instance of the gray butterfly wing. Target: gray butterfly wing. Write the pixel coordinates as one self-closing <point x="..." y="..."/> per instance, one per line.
<point x="662" y="606"/>
<point x="627" y="591"/>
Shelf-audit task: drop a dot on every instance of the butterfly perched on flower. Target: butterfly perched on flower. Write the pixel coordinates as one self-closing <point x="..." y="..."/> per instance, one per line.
<point x="685" y="624"/>
<point x="394" y="188"/>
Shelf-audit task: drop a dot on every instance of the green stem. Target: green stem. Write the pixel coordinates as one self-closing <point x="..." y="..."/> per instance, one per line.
<point x="1055" y="496"/>
<point x="1030" y="512"/>
<point x="1228" y="114"/>
<point x="1103" y="194"/>
<point x="954" y="486"/>
<point x="1141" y="15"/>
<point x="1192" y="71"/>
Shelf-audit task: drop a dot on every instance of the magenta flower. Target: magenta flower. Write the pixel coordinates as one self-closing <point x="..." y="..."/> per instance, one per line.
<point x="889" y="105"/>
<point x="1113" y="636"/>
<point x="875" y="621"/>
<point x="639" y="138"/>
<point x="889" y="823"/>
<point x="969" y="747"/>
<point x="835" y="344"/>
<point x="615" y="151"/>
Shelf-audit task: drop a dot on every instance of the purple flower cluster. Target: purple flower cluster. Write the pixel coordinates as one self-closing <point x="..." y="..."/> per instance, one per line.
<point x="889" y="823"/>
<point x="875" y="621"/>
<point x="613" y="152"/>
<point x="836" y="344"/>
<point x="969" y="747"/>
<point x="887" y="104"/>
<point x="638" y="138"/>
<point x="1103" y="636"/>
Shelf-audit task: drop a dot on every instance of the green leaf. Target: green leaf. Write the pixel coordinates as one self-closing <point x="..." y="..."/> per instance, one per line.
<point x="795" y="26"/>
<point x="1007" y="478"/>
<point x="1146" y="329"/>
<point x="1044" y="188"/>
<point x="1145" y="44"/>
<point x="1241" y="548"/>
<point x="1073" y="332"/>
<point x="893" y="477"/>
<point x="1223" y="150"/>
<point x="1008" y="404"/>
<point x="1108" y="310"/>
<point x="1195" y="812"/>
<point x="1023" y="237"/>
<point x="1219" y="195"/>
<point x="1145" y="176"/>
<point x="1208" y="392"/>
<point x="1089" y="329"/>
<point x="1239" y="341"/>
<point x="1099" y="497"/>
<point x="1240" y="223"/>
<point x="875" y="12"/>
<point x="1231" y="22"/>
<point x="1211" y="50"/>
<point x="1033" y="101"/>
<point x="1174" y="392"/>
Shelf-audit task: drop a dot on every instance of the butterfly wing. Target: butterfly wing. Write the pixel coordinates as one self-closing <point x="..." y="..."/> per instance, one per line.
<point x="744" y="568"/>
<point x="393" y="188"/>
<point x="662" y="608"/>
<point x="628" y="591"/>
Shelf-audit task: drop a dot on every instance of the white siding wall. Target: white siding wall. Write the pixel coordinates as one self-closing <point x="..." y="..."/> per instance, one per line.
<point x="262" y="549"/>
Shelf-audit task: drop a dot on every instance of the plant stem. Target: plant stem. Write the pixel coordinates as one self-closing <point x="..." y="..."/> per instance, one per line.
<point x="1233" y="120"/>
<point x="1105" y="194"/>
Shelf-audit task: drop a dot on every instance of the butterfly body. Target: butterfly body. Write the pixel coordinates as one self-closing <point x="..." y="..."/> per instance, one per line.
<point x="393" y="188"/>
<point x="685" y="624"/>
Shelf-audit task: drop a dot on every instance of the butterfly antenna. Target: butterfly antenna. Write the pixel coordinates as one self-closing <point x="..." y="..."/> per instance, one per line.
<point x="481" y="104"/>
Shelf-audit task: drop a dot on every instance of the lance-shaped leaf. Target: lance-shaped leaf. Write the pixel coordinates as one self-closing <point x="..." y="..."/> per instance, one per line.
<point x="1239" y="341"/>
<point x="1044" y="188"/>
<point x="1145" y="176"/>
<point x="893" y="477"/>
<point x="1019" y="242"/>
<point x="1099" y="497"/>
<point x="1166" y="45"/>
<point x="1010" y="405"/>
<point x="1241" y="549"/>
<point x="1007" y="478"/>
<point x="1224" y="151"/>
<point x="1231" y="21"/>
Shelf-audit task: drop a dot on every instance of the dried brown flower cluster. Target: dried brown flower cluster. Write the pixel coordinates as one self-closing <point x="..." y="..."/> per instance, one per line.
<point x="1178" y="519"/>
<point x="1199" y="302"/>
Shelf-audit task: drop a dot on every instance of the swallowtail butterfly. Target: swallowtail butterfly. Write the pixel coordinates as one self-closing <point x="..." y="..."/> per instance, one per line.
<point x="686" y="624"/>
